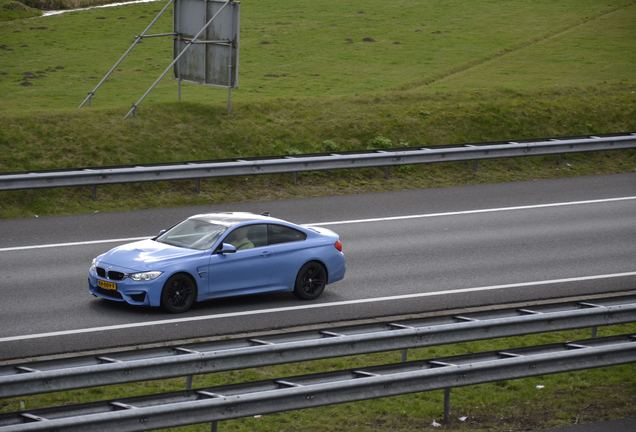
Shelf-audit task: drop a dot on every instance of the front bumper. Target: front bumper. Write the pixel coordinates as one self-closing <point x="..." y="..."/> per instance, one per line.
<point x="139" y="293"/>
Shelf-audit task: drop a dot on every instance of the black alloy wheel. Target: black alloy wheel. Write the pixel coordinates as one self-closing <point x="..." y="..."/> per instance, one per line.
<point x="311" y="281"/>
<point x="179" y="294"/>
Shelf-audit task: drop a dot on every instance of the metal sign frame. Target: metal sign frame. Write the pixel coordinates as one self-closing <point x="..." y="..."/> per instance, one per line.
<point x="219" y="42"/>
<point x="214" y="58"/>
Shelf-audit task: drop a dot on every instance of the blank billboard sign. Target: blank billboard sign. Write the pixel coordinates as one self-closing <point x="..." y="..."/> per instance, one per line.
<point x="213" y="58"/>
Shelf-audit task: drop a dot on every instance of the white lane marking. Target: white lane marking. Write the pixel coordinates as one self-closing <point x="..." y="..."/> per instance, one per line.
<point x="79" y="243"/>
<point x="311" y="306"/>
<point x="345" y="222"/>
<point x="466" y="212"/>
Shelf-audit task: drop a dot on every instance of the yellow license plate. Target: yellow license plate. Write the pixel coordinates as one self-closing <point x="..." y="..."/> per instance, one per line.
<point x="106" y="285"/>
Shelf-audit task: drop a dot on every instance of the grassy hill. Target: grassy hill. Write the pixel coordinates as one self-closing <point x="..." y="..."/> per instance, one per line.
<point x="318" y="76"/>
<point x="309" y="48"/>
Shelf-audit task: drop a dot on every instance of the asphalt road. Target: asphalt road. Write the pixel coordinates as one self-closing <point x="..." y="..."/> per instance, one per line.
<point x="407" y="252"/>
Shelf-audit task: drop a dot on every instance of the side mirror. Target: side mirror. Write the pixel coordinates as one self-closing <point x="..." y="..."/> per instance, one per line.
<point x="226" y="248"/>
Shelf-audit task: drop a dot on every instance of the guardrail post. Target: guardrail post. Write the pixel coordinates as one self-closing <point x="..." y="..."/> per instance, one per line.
<point x="214" y="427"/>
<point x="447" y="394"/>
<point x="475" y="166"/>
<point x="405" y="353"/>
<point x="189" y="382"/>
<point x="94" y="193"/>
<point x="594" y="331"/>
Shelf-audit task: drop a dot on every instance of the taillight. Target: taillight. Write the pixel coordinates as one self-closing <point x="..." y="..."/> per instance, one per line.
<point x="338" y="245"/>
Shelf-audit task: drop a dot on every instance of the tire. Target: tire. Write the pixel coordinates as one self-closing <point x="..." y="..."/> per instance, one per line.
<point x="179" y="293"/>
<point x="311" y="281"/>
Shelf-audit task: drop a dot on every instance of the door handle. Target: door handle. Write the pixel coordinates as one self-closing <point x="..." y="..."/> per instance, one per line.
<point x="265" y="254"/>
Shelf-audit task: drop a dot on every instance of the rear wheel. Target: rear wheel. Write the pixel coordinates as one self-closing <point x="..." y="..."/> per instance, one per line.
<point x="311" y="281"/>
<point x="179" y="293"/>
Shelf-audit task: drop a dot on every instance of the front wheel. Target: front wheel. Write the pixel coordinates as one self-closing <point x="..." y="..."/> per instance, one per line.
<point x="179" y="294"/>
<point x="311" y="281"/>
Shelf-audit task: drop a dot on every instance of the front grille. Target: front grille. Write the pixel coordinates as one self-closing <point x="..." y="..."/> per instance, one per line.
<point x="115" y="275"/>
<point x="108" y="293"/>
<point x="112" y="275"/>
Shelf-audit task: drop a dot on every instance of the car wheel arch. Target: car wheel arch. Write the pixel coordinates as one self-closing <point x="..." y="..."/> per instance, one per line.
<point x="189" y="276"/>
<point x="316" y="260"/>
<point x="306" y="285"/>
<point x="186" y="273"/>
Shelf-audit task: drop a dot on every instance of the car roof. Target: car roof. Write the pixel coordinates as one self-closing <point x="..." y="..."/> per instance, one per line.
<point x="234" y="218"/>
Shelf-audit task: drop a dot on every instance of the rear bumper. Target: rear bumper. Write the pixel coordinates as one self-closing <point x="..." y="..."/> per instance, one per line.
<point x="336" y="268"/>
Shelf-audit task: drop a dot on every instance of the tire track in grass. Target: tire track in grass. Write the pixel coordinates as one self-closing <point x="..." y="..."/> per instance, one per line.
<point x="509" y="50"/>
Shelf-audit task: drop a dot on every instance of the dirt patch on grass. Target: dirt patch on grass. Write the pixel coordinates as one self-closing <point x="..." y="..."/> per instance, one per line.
<point x="28" y="77"/>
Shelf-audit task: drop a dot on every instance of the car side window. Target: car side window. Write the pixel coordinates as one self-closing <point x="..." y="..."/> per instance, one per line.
<point x="248" y="237"/>
<point x="281" y="234"/>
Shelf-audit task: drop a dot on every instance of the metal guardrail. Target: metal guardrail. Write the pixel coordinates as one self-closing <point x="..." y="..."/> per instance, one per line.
<point x="154" y="363"/>
<point x="294" y="164"/>
<point x="241" y="400"/>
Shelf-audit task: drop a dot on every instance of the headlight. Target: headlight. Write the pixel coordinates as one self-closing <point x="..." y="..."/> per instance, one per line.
<point x="145" y="276"/>
<point x="93" y="263"/>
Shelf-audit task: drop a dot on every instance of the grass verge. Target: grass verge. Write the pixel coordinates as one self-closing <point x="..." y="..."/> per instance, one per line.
<point x="178" y="132"/>
<point x="513" y="405"/>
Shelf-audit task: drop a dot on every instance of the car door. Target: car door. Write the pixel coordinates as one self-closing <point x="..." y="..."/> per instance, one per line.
<point x="285" y="256"/>
<point x="246" y="270"/>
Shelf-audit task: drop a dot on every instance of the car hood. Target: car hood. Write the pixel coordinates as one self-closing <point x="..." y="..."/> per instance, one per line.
<point x="145" y="255"/>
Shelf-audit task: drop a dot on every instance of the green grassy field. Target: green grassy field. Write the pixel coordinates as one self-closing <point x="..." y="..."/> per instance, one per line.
<point x="315" y="77"/>
<point x="316" y="49"/>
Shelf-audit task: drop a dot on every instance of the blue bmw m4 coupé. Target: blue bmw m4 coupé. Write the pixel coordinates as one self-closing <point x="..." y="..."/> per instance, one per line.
<point x="219" y="255"/>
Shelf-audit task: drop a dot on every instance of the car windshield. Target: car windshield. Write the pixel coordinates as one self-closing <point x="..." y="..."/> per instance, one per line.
<point x="192" y="234"/>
